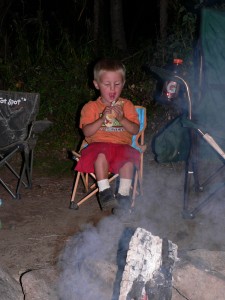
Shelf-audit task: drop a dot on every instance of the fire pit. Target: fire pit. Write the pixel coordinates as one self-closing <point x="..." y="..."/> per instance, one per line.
<point x="139" y="266"/>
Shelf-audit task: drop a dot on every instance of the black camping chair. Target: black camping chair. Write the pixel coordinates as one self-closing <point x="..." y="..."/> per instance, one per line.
<point x="18" y="134"/>
<point x="205" y="99"/>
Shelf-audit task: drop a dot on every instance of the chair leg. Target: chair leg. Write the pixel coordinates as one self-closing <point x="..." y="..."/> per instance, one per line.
<point x="93" y="188"/>
<point x="15" y="173"/>
<point x="20" y="175"/>
<point x="140" y="186"/>
<point x="25" y="168"/>
<point x="94" y="184"/>
<point x="113" y="177"/>
<point x="14" y="196"/>
<point x="20" y="180"/>
<point x="134" y="192"/>
<point x="85" y="180"/>
<point x="87" y="197"/>
<point x="31" y="162"/>
<point x="191" y="174"/>
<point x="84" y="177"/>
<point x="75" y="187"/>
<point x="94" y="191"/>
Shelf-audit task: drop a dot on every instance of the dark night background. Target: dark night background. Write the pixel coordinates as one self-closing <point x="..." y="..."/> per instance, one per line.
<point x="141" y="18"/>
<point x="48" y="46"/>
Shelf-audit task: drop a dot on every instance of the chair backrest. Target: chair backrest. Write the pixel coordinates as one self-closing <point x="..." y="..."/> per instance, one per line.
<point x="138" y="140"/>
<point x="209" y="111"/>
<point x="18" y="110"/>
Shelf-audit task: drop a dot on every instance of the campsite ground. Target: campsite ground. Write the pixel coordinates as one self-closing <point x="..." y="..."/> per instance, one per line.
<point x="36" y="228"/>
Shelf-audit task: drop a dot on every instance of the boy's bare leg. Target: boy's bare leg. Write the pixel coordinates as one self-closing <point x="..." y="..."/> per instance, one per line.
<point x="101" y="167"/>
<point x="127" y="170"/>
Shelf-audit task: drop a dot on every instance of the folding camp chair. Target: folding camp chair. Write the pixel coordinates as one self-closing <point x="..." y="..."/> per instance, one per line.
<point x="18" y="134"/>
<point x="91" y="188"/>
<point x="206" y="108"/>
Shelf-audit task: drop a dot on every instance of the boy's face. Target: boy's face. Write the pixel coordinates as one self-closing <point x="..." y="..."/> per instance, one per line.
<point x="110" y="85"/>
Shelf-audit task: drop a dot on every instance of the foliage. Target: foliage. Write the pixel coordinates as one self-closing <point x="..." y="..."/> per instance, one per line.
<point x="59" y="71"/>
<point x="181" y="35"/>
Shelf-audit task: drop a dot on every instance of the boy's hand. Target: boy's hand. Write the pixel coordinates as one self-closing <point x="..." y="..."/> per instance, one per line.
<point x="111" y="113"/>
<point x="118" y="111"/>
<point x="108" y="111"/>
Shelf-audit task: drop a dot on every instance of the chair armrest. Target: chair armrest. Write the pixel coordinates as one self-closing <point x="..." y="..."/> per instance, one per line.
<point x="40" y="126"/>
<point x="140" y="146"/>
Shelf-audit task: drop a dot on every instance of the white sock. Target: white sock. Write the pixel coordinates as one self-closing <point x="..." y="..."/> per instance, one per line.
<point x="124" y="186"/>
<point x="103" y="184"/>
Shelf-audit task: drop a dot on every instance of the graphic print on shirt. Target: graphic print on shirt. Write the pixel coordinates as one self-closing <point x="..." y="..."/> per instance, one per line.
<point x="111" y="125"/>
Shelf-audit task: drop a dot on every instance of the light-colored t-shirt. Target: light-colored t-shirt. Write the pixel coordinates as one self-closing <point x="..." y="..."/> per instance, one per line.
<point x="115" y="134"/>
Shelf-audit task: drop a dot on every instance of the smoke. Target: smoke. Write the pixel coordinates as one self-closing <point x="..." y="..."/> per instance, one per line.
<point x="92" y="262"/>
<point x="88" y="264"/>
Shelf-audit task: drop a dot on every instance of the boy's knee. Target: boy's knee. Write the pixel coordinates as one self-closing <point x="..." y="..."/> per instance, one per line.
<point x="128" y="166"/>
<point x="101" y="156"/>
<point x="127" y="170"/>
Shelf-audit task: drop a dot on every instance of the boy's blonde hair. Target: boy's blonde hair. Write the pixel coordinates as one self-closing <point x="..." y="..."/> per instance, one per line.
<point x="108" y="64"/>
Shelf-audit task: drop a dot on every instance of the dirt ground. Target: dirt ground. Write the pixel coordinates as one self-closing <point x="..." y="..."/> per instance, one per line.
<point x="36" y="228"/>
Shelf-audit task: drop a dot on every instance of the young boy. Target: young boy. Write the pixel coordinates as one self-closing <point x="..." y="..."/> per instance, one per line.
<point x="108" y="124"/>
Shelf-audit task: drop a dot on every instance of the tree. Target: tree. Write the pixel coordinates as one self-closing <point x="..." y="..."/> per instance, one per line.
<point x="98" y="32"/>
<point x="4" y="9"/>
<point x="117" y="25"/>
<point x="163" y="19"/>
<point x="105" y="31"/>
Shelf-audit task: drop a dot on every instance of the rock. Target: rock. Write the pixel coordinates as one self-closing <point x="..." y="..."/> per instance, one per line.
<point x="10" y="289"/>
<point x="200" y="274"/>
<point x="148" y="268"/>
<point x="40" y="284"/>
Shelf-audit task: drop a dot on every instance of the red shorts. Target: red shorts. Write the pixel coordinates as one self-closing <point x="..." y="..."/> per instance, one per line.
<point x="116" y="154"/>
